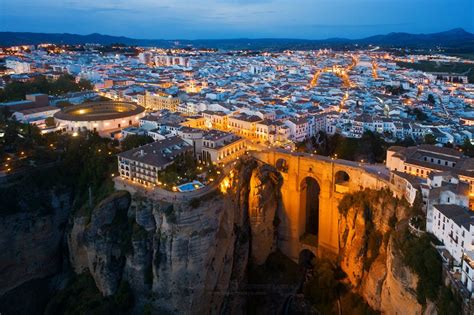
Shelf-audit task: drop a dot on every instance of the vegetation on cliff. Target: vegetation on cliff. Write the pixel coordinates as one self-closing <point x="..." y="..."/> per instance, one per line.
<point x="271" y="282"/>
<point x="327" y="290"/>
<point x="416" y="253"/>
<point x="82" y="165"/>
<point x="81" y="296"/>
<point x="420" y="256"/>
<point x="424" y="260"/>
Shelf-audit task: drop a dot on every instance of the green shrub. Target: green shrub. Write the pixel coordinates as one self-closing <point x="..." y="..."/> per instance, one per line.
<point x="424" y="260"/>
<point x="124" y="296"/>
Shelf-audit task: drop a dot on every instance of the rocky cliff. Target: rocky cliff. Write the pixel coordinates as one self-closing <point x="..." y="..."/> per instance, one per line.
<point x="31" y="239"/>
<point x="183" y="256"/>
<point x="368" y="255"/>
<point x="192" y="256"/>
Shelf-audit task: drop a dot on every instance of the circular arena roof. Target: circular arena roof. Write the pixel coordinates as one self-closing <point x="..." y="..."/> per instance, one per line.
<point x="95" y="111"/>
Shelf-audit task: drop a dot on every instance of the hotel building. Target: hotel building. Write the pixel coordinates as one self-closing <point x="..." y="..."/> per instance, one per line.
<point x="143" y="164"/>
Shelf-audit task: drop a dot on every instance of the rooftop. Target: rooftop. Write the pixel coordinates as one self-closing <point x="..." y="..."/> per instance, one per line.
<point x="159" y="153"/>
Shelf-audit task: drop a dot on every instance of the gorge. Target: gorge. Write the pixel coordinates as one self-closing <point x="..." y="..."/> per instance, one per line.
<point x="133" y="254"/>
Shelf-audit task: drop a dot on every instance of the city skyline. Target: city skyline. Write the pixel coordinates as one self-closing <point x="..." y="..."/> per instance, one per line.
<point x="212" y="19"/>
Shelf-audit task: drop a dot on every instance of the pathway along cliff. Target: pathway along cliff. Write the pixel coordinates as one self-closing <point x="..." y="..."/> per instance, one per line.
<point x="214" y="255"/>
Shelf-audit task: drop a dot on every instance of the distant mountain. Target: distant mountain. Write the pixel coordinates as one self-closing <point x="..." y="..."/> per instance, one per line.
<point x="452" y="39"/>
<point x="448" y="38"/>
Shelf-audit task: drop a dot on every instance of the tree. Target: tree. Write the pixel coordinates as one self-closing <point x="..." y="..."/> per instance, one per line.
<point x="134" y="141"/>
<point x="422" y="258"/>
<point x="420" y="115"/>
<point x="417" y="207"/>
<point x="322" y="287"/>
<point x="85" y="84"/>
<point x="16" y="91"/>
<point x="431" y="99"/>
<point x="50" y="122"/>
<point x="468" y="148"/>
<point x="430" y="139"/>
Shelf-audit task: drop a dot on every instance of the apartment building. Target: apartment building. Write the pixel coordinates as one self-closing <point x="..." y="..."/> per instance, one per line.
<point x="453" y="225"/>
<point x="421" y="160"/>
<point x="244" y="125"/>
<point x="215" y="120"/>
<point x="143" y="164"/>
<point x="467" y="271"/>
<point x="159" y="101"/>
<point x="299" y="128"/>
<point x="220" y="147"/>
<point x="443" y="188"/>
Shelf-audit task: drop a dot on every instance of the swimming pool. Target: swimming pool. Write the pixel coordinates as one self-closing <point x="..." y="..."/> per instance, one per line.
<point x="191" y="186"/>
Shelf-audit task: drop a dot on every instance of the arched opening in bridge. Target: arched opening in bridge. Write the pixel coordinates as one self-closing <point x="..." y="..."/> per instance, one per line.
<point x="309" y="195"/>
<point x="341" y="182"/>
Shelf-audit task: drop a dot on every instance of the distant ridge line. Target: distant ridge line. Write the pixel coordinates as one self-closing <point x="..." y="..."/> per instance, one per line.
<point x="454" y="38"/>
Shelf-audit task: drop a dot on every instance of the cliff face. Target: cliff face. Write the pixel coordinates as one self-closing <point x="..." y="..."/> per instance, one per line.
<point x="182" y="256"/>
<point x="31" y="238"/>
<point x="264" y="201"/>
<point x="193" y="255"/>
<point x="368" y="256"/>
<point x="101" y="245"/>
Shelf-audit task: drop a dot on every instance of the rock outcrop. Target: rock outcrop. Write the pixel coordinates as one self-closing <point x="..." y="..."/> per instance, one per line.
<point x="368" y="255"/>
<point x="192" y="256"/>
<point x="101" y="245"/>
<point x="182" y="256"/>
<point x="264" y="201"/>
<point x="31" y="239"/>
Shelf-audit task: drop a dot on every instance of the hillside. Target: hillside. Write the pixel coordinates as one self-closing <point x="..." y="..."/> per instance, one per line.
<point x="455" y="38"/>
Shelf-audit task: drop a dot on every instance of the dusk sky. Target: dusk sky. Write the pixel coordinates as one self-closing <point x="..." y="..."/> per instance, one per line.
<point x="192" y="19"/>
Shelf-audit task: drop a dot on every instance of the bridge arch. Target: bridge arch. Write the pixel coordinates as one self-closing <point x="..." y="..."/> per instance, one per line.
<point x="341" y="177"/>
<point x="310" y="190"/>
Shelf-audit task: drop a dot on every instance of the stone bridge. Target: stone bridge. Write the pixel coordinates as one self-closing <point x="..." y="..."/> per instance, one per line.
<point x="312" y="188"/>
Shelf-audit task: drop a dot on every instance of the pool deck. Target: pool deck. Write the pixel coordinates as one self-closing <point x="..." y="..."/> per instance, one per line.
<point x="161" y="194"/>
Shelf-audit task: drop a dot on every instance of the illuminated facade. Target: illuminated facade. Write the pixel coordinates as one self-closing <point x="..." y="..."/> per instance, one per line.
<point x="160" y="101"/>
<point x="99" y="116"/>
<point x="220" y="147"/>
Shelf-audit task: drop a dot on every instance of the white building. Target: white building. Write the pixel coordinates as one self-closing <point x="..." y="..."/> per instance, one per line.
<point x="220" y="147"/>
<point x="299" y="128"/>
<point x="453" y="225"/>
<point x="467" y="276"/>
<point x="446" y="189"/>
<point x="35" y="115"/>
<point x="143" y="164"/>
<point x="18" y="66"/>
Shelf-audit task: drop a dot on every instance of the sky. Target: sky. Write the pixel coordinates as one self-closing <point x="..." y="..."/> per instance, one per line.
<point x="214" y="19"/>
